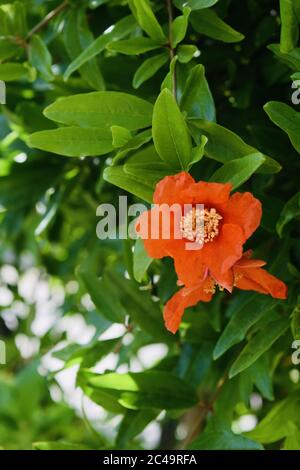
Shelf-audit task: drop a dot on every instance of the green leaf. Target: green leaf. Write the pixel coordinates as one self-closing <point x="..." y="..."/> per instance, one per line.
<point x="179" y="27"/>
<point x="145" y="17"/>
<point x="261" y="376"/>
<point x="195" y="4"/>
<point x="142" y="309"/>
<point x="186" y="52"/>
<point x="73" y="141"/>
<point x="198" y="152"/>
<point x="218" y="436"/>
<point x="289" y="26"/>
<point x="146" y="390"/>
<point x="295" y="325"/>
<point x="102" y="294"/>
<point x="147" y="167"/>
<point x="290" y="211"/>
<point x="40" y="57"/>
<point x="292" y="441"/>
<point x="291" y="59"/>
<point x="133" y="46"/>
<point x="11" y="71"/>
<point x="277" y="424"/>
<point x="287" y="119"/>
<point x="134" y="144"/>
<point x="121" y="29"/>
<point x="238" y="171"/>
<point x="101" y="109"/>
<point x="247" y="311"/>
<point x="86" y="356"/>
<point x="208" y="22"/>
<point x="8" y="48"/>
<point x="59" y="445"/>
<point x="258" y="344"/>
<point x="120" y="136"/>
<point x="170" y="133"/>
<point x="133" y="423"/>
<point x="26" y="183"/>
<point x="224" y="145"/>
<point x="197" y="100"/>
<point x="141" y="260"/>
<point x="149" y="68"/>
<point x="77" y="38"/>
<point x="117" y="176"/>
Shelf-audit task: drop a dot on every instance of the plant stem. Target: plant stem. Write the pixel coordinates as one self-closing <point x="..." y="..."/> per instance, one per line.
<point x="47" y="19"/>
<point x="171" y="49"/>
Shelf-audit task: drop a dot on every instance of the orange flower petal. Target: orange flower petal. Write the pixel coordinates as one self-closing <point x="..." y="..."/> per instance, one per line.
<point x="184" y="298"/>
<point x="245" y="210"/>
<point x="189" y="267"/>
<point x="210" y="194"/>
<point x="156" y="228"/>
<point x="259" y="280"/>
<point x="221" y="254"/>
<point x="171" y="188"/>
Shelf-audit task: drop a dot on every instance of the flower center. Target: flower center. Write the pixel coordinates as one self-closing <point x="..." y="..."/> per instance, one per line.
<point x="200" y="225"/>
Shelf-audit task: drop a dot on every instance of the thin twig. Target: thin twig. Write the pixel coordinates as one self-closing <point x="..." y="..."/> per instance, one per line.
<point x="204" y="408"/>
<point x="47" y="19"/>
<point x="170" y="47"/>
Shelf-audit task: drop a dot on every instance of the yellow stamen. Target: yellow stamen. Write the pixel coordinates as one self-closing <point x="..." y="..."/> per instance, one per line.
<point x="200" y="225"/>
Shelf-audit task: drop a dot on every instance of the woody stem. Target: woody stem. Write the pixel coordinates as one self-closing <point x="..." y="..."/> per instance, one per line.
<point x="47" y="19"/>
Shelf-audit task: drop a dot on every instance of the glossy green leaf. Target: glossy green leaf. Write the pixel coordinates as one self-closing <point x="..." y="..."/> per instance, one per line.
<point x="224" y="145"/>
<point x="135" y="143"/>
<point x="120" y="136"/>
<point x="133" y="423"/>
<point x="276" y="425"/>
<point x="238" y="171"/>
<point x="146" y="390"/>
<point x="170" y="133"/>
<point x="78" y="38"/>
<point x="186" y="52"/>
<point x="133" y="46"/>
<point x="149" y="68"/>
<point x="117" y="176"/>
<point x="40" y="57"/>
<point x="101" y="109"/>
<point x="247" y="310"/>
<point x="121" y="29"/>
<point x="197" y="100"/>
<point x="141" y="260"/>
<point x="287" y="119"/>
<point x="145" y="17"/>
<point x="179" y="27"/>
<point x="11" y="71"/>
<point x="195" y="4"/>
<point x="218" y="435"/>
<point x="289" y="26"/>
<point x="73" y="141"/>
<point x="292" y="442"/>
<point x="291" y="58"/>
<point x="290" y="211"/>
<point x="209" y="23"/>
<point x="258" y="344"/>
<point x="103" y="295"/>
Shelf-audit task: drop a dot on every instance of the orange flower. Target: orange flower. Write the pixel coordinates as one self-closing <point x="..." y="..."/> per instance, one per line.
<point x="246" y="274"/>
<point x="228" y="222"/>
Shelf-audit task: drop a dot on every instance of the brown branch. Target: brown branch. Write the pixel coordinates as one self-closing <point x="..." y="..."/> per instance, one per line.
<point x="202" y="409"/>
<point x="47" y="19"/>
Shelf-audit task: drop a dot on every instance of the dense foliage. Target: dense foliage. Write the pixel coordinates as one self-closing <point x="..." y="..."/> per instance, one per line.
<point x="89" y="361"/>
